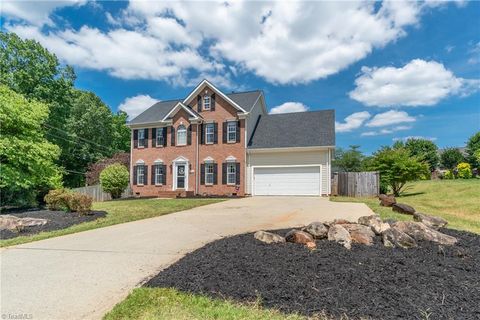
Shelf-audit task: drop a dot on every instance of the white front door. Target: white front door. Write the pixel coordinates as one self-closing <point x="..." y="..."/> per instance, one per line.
<point x="180" y="175"/>
<point x="287" y="181"/>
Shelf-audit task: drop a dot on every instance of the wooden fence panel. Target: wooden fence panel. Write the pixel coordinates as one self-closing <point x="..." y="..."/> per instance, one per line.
<point x="356" y="184"/>
<point x="97" y="193"/>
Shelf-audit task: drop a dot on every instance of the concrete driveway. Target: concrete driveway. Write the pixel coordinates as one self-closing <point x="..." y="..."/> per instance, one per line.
<point x="83" y="275"/>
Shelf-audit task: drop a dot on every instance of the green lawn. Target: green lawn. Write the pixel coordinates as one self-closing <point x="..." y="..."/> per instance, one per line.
<point x="458" y="201"/>
<point x="170" y="304"/>
<point x="119" y="211"/>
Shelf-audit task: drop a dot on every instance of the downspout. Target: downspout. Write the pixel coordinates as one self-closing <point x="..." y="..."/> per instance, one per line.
<point x="196" y="161"/>
<point x="245" y="182"/>
<point x="131" y="160"/>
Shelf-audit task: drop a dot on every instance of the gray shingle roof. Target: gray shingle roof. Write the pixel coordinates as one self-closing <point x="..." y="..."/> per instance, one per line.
<point x="159" y="110"/>
<point x="299" y="129"/>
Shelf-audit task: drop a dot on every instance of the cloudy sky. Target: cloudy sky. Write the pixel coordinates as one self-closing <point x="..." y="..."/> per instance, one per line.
<point x="390" y="70"/>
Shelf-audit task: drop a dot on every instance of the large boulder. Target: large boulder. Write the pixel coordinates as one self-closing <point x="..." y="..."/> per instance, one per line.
<point x="268" y="237"/>
<point x="341" y="235"/>
<point x="421" y="232"/>
<point x="387" y="200"/>
<point x="359" y="233"/>
<point x="374" y="222"/>
<point x="403" y="208"/>
<point x="10" y="222"/>
<point x="317" y="229"/>
<point x="395" y="238"/>
<point x="340" y="221"/>
<point x="297" y="236"/>
<point x="430" y="221"/>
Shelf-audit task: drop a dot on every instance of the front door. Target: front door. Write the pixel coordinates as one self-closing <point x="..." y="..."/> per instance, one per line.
<point x="181" y="176"/>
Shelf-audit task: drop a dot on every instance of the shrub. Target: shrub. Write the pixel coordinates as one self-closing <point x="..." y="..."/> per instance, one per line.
<point x="78" y="202"/>
<point x="114" y="179"/>
<point x="464" y="171"/>
<point x="64" y="199"/>
<point x="448" y="175"/>
<point x="57" y="199"/>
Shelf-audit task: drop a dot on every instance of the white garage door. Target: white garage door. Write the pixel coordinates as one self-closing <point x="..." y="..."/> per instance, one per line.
<point x="286" y="181"/>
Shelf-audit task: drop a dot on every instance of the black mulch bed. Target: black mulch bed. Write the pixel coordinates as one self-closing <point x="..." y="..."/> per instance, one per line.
<point x="56" y="220"/>
<point x="429" y="282"/>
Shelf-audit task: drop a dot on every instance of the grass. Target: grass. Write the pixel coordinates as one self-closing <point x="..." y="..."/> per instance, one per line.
<point x="165" y="304"/>
<point x="457" y="201"/>
<point x="118" y="211"/>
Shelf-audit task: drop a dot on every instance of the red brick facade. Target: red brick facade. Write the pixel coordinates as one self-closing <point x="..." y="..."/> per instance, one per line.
<point x="194" y="153"/>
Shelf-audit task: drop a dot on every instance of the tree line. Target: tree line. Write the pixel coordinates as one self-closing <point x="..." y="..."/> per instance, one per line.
<point x="51" y="131"/>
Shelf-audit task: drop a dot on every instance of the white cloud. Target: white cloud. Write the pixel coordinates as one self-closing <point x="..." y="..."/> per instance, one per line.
<point x="353" y="121"/>
<point x="389" y="118"/>
<point x="418" y="83"/>
<point x="288" y="107"/>
<point x="133" y="106"/>
<point x="414" y="137"/>
<point x="385" y="131"/>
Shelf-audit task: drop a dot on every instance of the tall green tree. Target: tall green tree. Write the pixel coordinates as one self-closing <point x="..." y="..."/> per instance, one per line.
<point x="349" y="160"/>
<point x="397" y="166"/>
<point x="121" y="133"/>
<point x="473" y="145"/>
<point x="424" y="149"/>
<point x="27" y="158"/>
<point x="450" y="157"/>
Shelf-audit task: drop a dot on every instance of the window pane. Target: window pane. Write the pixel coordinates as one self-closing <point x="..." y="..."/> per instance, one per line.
<point x="206" y="102"/>
<point x="141" y="137"/>
<point x="209" y="173"/>
<point x="209" y="133"/>
<point x="140" y="174"/>
<point x="231" y="176"/>
<point x="181" y="135"/>
<point x="159" y="136"/>
<point x="232" y="131"/>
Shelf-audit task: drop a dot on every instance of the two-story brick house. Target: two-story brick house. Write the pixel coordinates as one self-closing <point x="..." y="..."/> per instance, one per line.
<point x="212" y="143"/>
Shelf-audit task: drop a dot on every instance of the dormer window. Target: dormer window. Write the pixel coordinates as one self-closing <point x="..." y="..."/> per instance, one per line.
<point x="206" y="102"/>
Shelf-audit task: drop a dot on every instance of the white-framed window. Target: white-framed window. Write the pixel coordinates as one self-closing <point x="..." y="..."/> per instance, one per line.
<point x="209" y="133"/>
<point x="231" y="173"/>
<point x="209" y="173"/>
<point x="158" y="174"/>
<point x="160" y="138"/>
<point x="181" y="135"/>
<point x="232" y="131"/>
<point x="141" y="137"/>
<point x="206" y="102"/>
<point x="140" y="174"/>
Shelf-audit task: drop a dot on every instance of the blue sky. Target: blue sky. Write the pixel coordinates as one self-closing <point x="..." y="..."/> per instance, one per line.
<point x="391" y="70"/>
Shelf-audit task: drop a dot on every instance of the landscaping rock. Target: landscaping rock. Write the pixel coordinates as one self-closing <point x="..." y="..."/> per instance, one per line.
<point x="317" y="229"/>
<point x="297" y="236"/>
<point x="340" y="221"/>
<point x="374" y="222"/>
<point x="430" y="221"/>
<point x="9" y="222"/>
<point x="396" y="238"/>
<point x="360" y="234"/>
<point x="341" y="235"/>
<point x="403" y="208"/>
<point x="387" y="200"/>
<point x="421" y="232"/>
<point x="311" y="245"/>
<point x="268" y="237"/>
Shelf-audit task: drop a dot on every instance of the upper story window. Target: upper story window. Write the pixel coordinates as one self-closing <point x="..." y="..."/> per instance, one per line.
<point x="206" y="102"/>
<point x="232" y="131"/>
<point x="209" y="133"/>
<point x="231" y="173"/>
<point x="160" y="137"/>
<point x="181" y="135"/>
<point x="141" y="138"/>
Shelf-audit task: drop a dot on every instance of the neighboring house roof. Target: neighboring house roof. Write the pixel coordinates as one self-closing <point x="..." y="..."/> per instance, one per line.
<point x="160" y="109"/>
<point x="299" y="129"/>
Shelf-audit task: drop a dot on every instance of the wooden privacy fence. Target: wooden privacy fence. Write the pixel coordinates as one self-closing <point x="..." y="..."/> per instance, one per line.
<point x="356" y="184"/>
<point x="97" y="193"/>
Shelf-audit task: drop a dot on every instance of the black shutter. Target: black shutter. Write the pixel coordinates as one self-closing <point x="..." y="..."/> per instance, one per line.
<point x="164" y="136"/>
<point x="212" y="102"/>
<point x="202" y="135"/>
<point x="199" y="103"/>
<point x="154" y="137"/>
<point x="164" y="174"/>
<point x="215" y="133"/>
<point x="215" y="173"/>
<point x="135" y="138"/>
<point x="172" y="136"/>
<point x="224" y="132"/>
<point x="134" y="175"/>
<point x="145" y="176"/>
<point x="189" y="135"/>
<point x="146" y="138"/>
<point x="238" y="131"/>
<point x="237" y="173"/>
<point x="153" y="174"/>
<point x="202" y="174"/>
<point x="224" y="173"/>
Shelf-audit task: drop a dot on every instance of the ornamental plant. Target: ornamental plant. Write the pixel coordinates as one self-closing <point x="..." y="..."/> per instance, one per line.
<point x="449" y="175"/>
<point x="464" y="171"/>
<point x="114" y="179"/>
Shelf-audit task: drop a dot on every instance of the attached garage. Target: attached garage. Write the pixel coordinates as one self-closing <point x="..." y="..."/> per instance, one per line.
<point x="287" y="181"/>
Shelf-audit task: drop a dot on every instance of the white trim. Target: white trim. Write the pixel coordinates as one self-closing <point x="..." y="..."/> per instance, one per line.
<point x="206" y="173"/>
<point x="180" y="161"/>
<point x="158" y="161"/>
<point x="131" y="159"/>
<point x="235" y="173"/>
<point x="176" y="108"/>
<point x="177" y="131"/>
<point x="236" y="124"/>
<point x="231" y="159"/>
<point x="140" y="161"/>
<point x="208" y="159"/>
<point x="157" y="124"/>
<point x="217" y="91"/>
<point x="288" y="149"/>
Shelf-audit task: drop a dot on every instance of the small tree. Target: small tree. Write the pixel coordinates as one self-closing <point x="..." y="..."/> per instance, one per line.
<point x="425" y="150"/>
<point x="350" y="160"/>
<point x="464" y="171"/>
<point x="450" y="157"/>
<point x="397" y="167"/>
<point x="473" y="145"/>
<point x="114" y="179"/>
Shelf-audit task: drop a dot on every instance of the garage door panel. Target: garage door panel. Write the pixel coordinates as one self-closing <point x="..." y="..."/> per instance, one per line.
<point x="287" y="181"/>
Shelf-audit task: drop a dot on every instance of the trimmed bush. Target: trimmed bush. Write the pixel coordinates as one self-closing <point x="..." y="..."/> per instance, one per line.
<point x="57" y="199"/>
<point x="449" y="175"/>
<point x="464" y="171"/>
<point x="80" y="203"/>
<point x="114" y="179"/>
<point x="66" y="200"/>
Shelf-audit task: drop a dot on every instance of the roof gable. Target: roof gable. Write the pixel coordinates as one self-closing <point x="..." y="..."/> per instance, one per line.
<point x="179" y="106"/>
